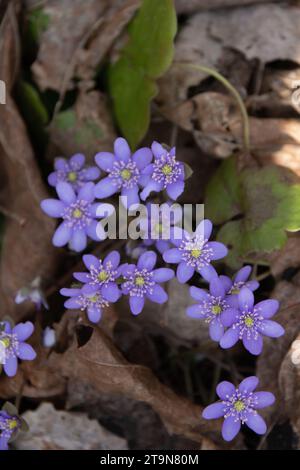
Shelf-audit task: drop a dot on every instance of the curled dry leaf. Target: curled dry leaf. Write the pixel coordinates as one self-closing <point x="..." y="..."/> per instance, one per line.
<point x="51" y="429"/>
<point x="207" y="38"/>
<point x="27" y="230"/>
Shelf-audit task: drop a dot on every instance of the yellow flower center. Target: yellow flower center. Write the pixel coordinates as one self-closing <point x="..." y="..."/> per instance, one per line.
<point x="139" y="281"/>
<point x="93" y="298"/>
<point x="239" y="405"/>
<point x="158" y="228"/>
<point x="13" y="423"/>
<point x="235" y="291"/>
<point x="5" y="342"/>
<point x="126" y="174"/>
<point x="77" y="213"/>
<point x="72" y="176"/>
<point x="216" y="309"/>
<point x="167" y="170"/>
<point x="249" y="322"/>
<point x="195" y="253"/>
<point x="102" y="276"/>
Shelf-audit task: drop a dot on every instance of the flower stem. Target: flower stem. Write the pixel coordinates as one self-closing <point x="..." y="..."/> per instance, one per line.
<point x="232" y="90"/>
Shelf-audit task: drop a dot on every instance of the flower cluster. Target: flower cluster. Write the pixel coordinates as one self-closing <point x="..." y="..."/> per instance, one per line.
<point x="228" y="306"/>
<point x="10" y="425"/>
<point x="14" y="347"/>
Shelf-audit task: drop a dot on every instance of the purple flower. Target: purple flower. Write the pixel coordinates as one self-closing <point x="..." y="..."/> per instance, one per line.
<point x="142" y="281"/>
<point x="34" y="293"/>
<point x="124" y="172"/>
<point x="92" y="303"/>
<point x="211" y="307"/>
<point x="164" y="173"/>
<point x="73" y="172"/>
<point x="13" y="346"/>
<point x="234" y="286"/>
<point x="78" y="213"/>
<point x="250" y="323"/>
<point x="195" y="253"/>
<point x="239" y="406"/>
<point x="102" y="276"/>
<point x="9" y="426"/>
<point x="157" y="228"/>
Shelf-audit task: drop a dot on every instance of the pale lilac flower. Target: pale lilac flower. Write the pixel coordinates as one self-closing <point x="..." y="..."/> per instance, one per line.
<point x="142" y="281"/>
<point x="239" y="406"/>
<point x="73" y="171"/>
<point x="165" y="173"/>
<point x="33" y="293"/>
<point x="249" y="323"/>
<point x="13" y="346"/>
<point x="195" y="253"/>
<point x="79" y="213"/>
<point x="211" y="306"/>
<point x="49" y="337"/>
<point x="241" y="279"/>
<point x="102" y="276"/>
<point x="93" y="303"/>
<point x="124" y="172"/>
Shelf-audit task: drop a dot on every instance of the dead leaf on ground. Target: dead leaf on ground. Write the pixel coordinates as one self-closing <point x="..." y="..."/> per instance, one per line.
<point x="50" y="429"/>
<point x="182" y="6"/>
<point x="27" y="230"/>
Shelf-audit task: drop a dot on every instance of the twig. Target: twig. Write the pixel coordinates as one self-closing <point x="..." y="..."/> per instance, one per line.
<point x="12" y="215"/>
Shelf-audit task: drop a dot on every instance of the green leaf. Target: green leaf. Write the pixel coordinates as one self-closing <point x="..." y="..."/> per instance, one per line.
<point x="31" y="101"/>
<point x="146" y="56"/>
<point x="65" y="120"/>
<point x="38" y="22"/>
<point x="267" y="200"/>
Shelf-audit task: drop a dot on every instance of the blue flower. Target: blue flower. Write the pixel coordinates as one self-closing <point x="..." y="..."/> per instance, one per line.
<point x="79" y="213"/>
<point x="233" y="287"/>
<point x="239" y="406"/>
<point x="124" y="172"/>
<point x="164" y="173"/>
<point x="142" y="281"/>
<point x="13" y="346"/>
<point x="195" y="253"/>
<point x="102" y="276"/>
<point x="250" y="323"/>
<point x="73" y="171"/>
<point x="9" y="425"/>
<point x="93" y="303"/>
<point x="211" y="307"/>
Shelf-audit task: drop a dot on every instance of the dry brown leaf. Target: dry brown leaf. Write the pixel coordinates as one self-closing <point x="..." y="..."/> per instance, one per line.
<point x="50" y="429"/>
<point x="27" y="230"/>
<point x="191" y="6"/>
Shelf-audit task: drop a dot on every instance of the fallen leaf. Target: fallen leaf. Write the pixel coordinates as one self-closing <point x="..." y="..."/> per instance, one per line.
<point x="184" y="7"/>
<point x="50" y="429"/>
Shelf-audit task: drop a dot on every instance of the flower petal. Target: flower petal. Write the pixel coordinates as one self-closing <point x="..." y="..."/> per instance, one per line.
<point x="93" y="231"/>
<point x="52" y="179"/>
<point x="86" y="193"/>
<point x="91" y="173"/>
<point x="208" y="272"/>
<point x="173" y="255"/>
<point x="26" y="352"/>
<point x="267" y="308"/>
<point x="271" y="328"/>
<point x="256" y="423"/>
<point x="82" y="277"/>
<point x="53" y="207"/>
<point x="249" y="384"/>
<point x="254" y="346"/>
<point x="10" y="367"/>
<point x="184" y="272"/>
<point x="113" y="258"/>
<point x="230" y="428"/>
<point x="147" y="260"/>
<point x="151" y="186"/>
<point x="78" y="240"/>
<point x="225" y="389"/>
<point x="243" y="274"/>
<point x="130" y="197"/>
<point x="105" y="160"/>
<point x="105" y="188"/>
<point x="65" y="192"/>
<point x="230" y="338"/>
<point x="214" y="411"/>
<point x="110" y="292"/>
<point x="23" y="330"/>
<point x="158" y="295"/>
<point x="69" y="292"/>
<point x="263" y="399"/>
<point x="61" y="164"/>
<point x="216" y="330"/>
<point x="216" y="287"/>
<point x="195" y="311"/>
<point x="94" y="314"/>
<point x="158" y="150"/>
<point x="246" y="299"/>
<point x="136" y="304"/>
<point x="229" y="316"/>
<point x="90" y="261"/>
<point x="142" y="157"/>
<point x="204" y="229"/>
<point x="163" y="274"/>
<point x="62" y="235"/>
<point x="174" y="190"/>
<point x="122" y="149"/>
<point x="198" y="294"/>
<point x="219" y="250"/>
